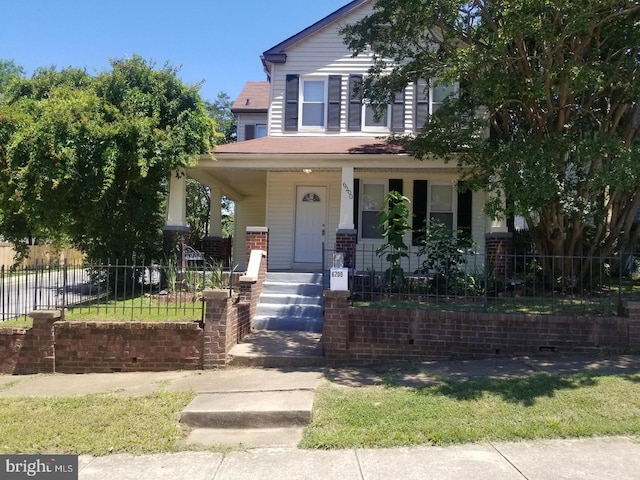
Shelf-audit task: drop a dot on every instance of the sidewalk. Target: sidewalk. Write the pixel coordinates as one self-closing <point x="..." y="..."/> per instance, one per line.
<point x="598" y="458"/>
<point x="594" y="459"/>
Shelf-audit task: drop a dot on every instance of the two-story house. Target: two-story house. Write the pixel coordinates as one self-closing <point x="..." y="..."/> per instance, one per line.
<point x="311" y="163"/>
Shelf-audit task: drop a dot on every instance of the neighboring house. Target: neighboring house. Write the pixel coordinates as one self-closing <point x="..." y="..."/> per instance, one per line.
<point x="311" y="163"/>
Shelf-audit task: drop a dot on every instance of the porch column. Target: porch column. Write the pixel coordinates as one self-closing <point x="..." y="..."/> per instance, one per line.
<point x="176" y="230"/>
<point x="215" y="213"/>
<point x="177" y="201"/>
<point x="346" y="200"/>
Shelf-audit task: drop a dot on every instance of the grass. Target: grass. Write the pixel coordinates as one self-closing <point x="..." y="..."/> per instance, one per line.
<point x="142" y="309"/>
<point x="537" y="407"/>
<point x="93" y="424"/>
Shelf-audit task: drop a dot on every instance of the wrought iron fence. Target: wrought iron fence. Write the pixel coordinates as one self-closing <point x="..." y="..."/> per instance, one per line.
<point x="466" y="278"/>
<point x="114" y="290"/>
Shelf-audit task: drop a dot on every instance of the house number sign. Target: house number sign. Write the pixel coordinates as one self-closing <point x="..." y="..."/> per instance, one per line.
<point x="348" y="190"/>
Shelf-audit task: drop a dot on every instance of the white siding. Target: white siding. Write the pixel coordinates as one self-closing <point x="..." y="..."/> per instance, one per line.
<point x="249" y="212"/>
<point x="322" y="54"/>
<point x="250" y="119"/>
<point x="281" y="202"/>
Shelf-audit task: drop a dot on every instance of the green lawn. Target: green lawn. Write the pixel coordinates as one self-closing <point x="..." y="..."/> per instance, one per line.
<point x="541" y="406"/>
<point x="450" y="412"/>
<point x="93" y="424"/>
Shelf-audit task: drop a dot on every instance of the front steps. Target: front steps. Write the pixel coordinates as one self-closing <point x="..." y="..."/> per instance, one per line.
<point x="277" y="400"/>
<point x="253" y="408"/>
<point x="290" y="302"/>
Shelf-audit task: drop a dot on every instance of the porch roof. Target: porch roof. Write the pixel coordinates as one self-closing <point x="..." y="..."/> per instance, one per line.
<point x="319" y="145"/>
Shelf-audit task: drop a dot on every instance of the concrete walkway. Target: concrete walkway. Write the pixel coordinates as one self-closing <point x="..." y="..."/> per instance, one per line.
<point x="594" y="459"/>
<point x="599" y="458"/>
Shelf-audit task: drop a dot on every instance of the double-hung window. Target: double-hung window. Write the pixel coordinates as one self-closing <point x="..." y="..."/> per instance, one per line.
<point x="442" y="204"/>
<point x="372" y="196"/>
<point x="363" y="117"/>
<point x="313" y="101"/>
<point x="429" y="97"/>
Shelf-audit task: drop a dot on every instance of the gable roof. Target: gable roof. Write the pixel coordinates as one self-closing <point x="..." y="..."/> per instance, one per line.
<point x="254" y="98"/>
<point x="277" y="54"/>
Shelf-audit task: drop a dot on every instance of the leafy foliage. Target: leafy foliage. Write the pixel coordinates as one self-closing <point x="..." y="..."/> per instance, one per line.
<point x="445" y="256"/>
<point x="394" y="224"/>
<point x="555" y="82"/>
<point x="88" y="158"/>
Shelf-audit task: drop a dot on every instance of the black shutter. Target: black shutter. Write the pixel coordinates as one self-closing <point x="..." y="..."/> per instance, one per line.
<point x="397" y="112"/>
<point x="355" y="104"/>
<point x="419" y="210"/>
<point x="333" y="109"/>
<point x="421" y="95"/>
<point x="292" y="94"/>
<point x="465" y="212"/>
<point x="395" y="184"/>
<point x="249" y="132"/>
<point x="356" y="202"/>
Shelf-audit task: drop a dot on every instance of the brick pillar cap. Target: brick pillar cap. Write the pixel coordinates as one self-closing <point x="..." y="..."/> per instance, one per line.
<point x="257" y="229"/>
<point x="46" y="314"/>
<point x="347" y="231"/>
<point x="336" y="294"/>
<point x="216" y="294"/>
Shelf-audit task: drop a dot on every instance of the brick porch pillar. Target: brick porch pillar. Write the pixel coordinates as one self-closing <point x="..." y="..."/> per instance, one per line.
<point x="499" y="252"/>
<point x="346" y="242"/>
<point x="257" y="238"/>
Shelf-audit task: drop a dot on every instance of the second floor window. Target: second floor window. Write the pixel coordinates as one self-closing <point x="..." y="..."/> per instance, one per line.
<point x="313" y="101"/>
<point x="430" y="96"/>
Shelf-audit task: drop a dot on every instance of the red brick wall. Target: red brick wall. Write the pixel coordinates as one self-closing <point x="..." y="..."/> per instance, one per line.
<point x="83" y="347"/>
<point x="346" y="243"/>
<point x="369" y="335"/>
<point x="11" y="342"/>
<point x="257" y="238"/>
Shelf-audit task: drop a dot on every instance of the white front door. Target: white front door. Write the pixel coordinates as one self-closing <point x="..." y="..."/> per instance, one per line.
<point x="311" y="213"/>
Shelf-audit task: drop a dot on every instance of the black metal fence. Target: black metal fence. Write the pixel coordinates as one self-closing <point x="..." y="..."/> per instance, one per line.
<point x="463" y="278"/>
<point x="111" y="290"/>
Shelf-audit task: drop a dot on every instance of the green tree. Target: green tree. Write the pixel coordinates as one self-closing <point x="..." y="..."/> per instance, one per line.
<point x="556" y="82"/>
<point x="89" y="157"/>
<point x="226" y="122"/>
<point x="9" y="71"/>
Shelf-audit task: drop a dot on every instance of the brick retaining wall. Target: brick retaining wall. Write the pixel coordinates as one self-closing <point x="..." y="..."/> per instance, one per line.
<point x="360" y="335"/>
<point x="102" y="347"/>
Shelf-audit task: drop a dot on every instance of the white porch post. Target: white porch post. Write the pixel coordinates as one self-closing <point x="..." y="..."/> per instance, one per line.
<point x="215" y="213"/>
<point x="177" y="201"/>
<point x="346" y="199"/>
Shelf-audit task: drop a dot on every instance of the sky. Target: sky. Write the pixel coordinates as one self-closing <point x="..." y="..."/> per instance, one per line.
<point x="217" y="42"/>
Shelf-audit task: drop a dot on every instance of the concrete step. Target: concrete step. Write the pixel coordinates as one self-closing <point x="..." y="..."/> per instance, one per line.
<point x="278" y="349"/>
<point x="292" y="288"/>
<point x="290" y="302"/>
<point x="289" y="299"/>
<point x="269" y="409"/>
<point x="294" y="277"/>
<point x="288" y="310"/>
<point x="288" y="324"/>
<point x="246" y="437"/>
